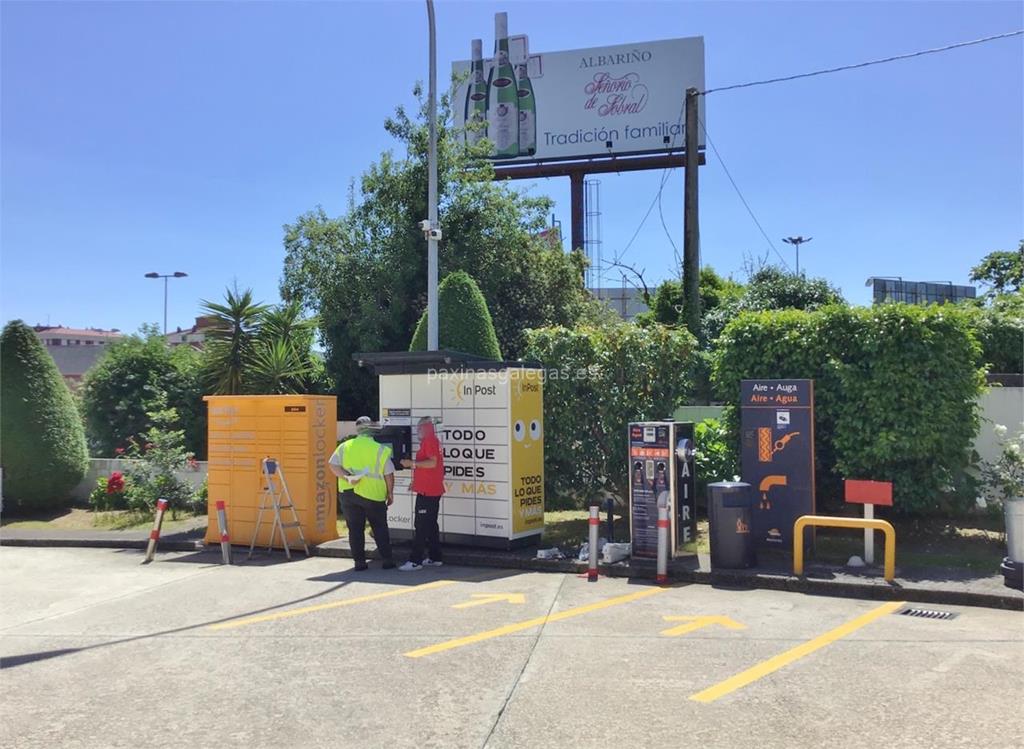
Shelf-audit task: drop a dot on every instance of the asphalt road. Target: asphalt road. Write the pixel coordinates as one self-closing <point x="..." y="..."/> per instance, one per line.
<point x="99" y="651"/>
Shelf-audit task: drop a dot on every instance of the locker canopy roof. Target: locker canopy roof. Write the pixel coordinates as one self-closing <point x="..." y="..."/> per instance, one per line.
<point x="422" y="362"/>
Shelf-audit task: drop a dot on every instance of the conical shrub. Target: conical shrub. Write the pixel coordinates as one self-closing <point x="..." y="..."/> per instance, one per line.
<point x="42" y="440"/>
<point x="464" y="321"/>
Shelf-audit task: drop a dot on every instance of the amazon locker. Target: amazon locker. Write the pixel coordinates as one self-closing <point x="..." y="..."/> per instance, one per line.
<point x="298" y="430"/>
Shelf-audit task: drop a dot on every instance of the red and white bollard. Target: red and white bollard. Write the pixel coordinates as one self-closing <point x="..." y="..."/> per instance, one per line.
<point x="595" y="524"/>
<point x="225" y="542"/>
<point x="154" y="535"/>
<point x="661" y="576"/>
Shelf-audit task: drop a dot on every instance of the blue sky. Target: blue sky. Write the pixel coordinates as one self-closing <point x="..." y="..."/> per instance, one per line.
<point x="143" y="136"/>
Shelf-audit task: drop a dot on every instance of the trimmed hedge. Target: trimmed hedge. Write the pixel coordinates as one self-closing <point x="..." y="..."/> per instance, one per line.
<point x="42" y="441"/>
<point x="597" y="381"/>
<point x="895" y="392"/>
<point x="464" y="321"/>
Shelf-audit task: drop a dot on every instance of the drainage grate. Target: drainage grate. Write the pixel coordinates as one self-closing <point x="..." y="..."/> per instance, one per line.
<point x="929" y="614"/>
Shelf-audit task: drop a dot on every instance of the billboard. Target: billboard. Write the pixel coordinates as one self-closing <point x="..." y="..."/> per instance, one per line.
<point x="777" y="454"/>
<point x="623" y="99"/>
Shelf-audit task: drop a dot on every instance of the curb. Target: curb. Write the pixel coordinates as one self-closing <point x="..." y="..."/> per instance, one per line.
<point x="101" y="543"/>
<point x="719" y="578"/>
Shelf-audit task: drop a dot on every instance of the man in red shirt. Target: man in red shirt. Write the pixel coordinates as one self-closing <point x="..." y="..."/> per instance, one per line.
<point x="428" y="483"/>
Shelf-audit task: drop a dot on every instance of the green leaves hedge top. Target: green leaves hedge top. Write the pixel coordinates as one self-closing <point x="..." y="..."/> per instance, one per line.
<point x="895" y="391"/>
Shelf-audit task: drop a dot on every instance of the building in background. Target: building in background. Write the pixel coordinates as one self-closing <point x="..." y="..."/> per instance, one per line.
<point x="626" y="301"/>
<point x="75" y="350"/>
<point x="194" y="336"/>
<point x="896" y="289"/>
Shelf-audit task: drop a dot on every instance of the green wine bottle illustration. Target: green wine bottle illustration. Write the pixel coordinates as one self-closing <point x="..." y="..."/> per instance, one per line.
<point x="475" y="113"/>
<point x="503" y="96"/>
<point x="527" y="109"/>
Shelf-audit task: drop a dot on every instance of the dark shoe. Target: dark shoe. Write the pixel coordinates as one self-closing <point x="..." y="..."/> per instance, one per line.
<point x="361" y="566"/>
<point x="389" y="564"/>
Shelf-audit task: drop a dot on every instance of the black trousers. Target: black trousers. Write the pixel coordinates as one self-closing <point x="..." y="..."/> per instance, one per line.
<point x="427" y="535"/>
<point x="359" y="511"/>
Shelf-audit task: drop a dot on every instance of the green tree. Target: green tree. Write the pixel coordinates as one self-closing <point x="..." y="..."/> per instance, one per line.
<point x="255" y="348"/>
<point x="772" y="288"/>
<point x="134" y="375"/>
<point x="42" y="442"/>
<point x="597" y="381"/>
<point x="1002" y="271"/>
<point x="667" y="303"/>
<point x="233" y="328"/>
<point x="365" y="271"/>
<point x="464" y="322"/>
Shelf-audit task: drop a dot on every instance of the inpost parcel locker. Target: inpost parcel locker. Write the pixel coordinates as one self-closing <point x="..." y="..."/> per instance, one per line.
<point x="298" y="430"/>
<point x="489" y="418"/>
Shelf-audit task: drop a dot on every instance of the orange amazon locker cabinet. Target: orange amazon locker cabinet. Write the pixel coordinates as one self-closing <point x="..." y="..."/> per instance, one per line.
<point x="300" y="431"/>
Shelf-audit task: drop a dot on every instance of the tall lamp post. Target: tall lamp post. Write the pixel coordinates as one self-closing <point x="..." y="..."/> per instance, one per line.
<point x="165" y="276"/>
<point x="796" y="242"/>
<point x="431" y="230"/>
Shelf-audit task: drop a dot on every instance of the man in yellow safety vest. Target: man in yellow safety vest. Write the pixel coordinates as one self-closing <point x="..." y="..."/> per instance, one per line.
<point x="366" y="480"/>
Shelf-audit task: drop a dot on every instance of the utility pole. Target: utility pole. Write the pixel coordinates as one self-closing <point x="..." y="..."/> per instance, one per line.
<point x="432" y="230"/>
<point x="796" y="242"/>
<point x="691" y="221"/>
<point x="166" y="276"/>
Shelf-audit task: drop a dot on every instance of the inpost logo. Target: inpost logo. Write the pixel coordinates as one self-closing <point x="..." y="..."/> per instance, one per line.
<point x="459" y="391"/>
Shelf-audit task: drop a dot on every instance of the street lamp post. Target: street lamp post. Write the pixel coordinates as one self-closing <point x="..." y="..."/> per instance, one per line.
<point x="796" y="242"/>
<point x="165" y="276"/>
<point x="430" y="227"/>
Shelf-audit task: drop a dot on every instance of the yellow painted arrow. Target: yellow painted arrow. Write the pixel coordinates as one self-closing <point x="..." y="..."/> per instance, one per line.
<point x="693" y="623"/>
<point x="483" y="598"/>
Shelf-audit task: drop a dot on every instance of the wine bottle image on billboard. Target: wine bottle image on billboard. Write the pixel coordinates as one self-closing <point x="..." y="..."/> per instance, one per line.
<point x="503" y="96"/>
<point x="475" y="113"/>
<point x="527" y="108"/>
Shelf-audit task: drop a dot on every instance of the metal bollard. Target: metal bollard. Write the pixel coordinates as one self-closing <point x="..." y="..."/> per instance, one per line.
<point x="663" y="526"/>
<point x="225" y="543"/>
<point x="595" y="523"/>
<point x="154" y="535"/>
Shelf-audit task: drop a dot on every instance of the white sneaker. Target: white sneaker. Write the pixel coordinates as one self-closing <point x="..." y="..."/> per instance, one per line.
<point x="410" y="566"/>
<point x="432" y="563"/>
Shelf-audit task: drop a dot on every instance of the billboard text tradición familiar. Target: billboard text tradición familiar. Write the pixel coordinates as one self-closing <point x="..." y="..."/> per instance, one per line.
<point x="616" y="100"/>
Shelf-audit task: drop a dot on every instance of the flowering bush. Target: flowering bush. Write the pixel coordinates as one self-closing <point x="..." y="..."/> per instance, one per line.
<point x="154" y="464"/>
<point x="109" y="493"/>
<point x="1003" y="478"/>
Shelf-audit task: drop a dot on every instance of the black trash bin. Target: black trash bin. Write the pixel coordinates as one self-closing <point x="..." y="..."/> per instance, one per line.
<point x="730" y="509"/>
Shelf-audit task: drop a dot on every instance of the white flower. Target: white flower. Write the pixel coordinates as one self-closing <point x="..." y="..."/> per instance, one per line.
<point x="999" y="429"/>
<point x="1014" y="447"/>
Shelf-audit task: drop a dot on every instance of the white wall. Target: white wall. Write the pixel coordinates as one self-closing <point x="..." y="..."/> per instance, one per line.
<point x="104" y="466"/>
<point x="999" y="405"/>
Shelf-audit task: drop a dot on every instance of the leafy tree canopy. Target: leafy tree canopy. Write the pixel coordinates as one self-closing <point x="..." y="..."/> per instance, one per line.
<point x="1002" y="271"/>
<point x="364" y="272"/>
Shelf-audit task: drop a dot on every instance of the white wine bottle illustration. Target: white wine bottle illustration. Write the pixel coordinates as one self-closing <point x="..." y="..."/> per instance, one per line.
<point x="527" y="108"/>
<point x="475" y="114"/>
<point x="502" y="96"/>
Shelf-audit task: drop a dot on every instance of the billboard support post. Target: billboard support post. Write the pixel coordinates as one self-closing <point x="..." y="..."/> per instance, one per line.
<point x="576" y="178"/>
<point x="432" y="230"/>
<point x="691" y="221"/>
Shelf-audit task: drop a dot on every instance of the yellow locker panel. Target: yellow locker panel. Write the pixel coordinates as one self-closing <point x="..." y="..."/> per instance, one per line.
<point x="299" y="431"/>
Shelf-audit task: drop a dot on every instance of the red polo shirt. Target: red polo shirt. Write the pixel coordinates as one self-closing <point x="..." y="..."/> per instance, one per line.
<point x="429" y="481"/>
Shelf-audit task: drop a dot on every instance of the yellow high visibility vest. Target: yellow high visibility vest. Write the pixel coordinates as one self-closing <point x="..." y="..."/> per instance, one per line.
<point x="343" y="484"/>
<point x="365" y="454"/>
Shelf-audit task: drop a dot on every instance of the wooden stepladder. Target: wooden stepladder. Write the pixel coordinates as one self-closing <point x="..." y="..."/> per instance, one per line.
<point x="275" y="497"/>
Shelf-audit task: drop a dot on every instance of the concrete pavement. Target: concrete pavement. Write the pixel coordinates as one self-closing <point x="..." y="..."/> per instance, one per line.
<point x="100" y="652"/>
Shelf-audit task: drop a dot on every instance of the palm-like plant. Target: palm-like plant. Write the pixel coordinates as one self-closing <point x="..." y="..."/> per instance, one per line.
<point x="278" y="367"/>
<point x="234" y="327"/>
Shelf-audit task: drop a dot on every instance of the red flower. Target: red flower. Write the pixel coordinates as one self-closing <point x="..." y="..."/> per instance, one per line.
<point x="118" y="451"/>
<point x="115" y="484"/>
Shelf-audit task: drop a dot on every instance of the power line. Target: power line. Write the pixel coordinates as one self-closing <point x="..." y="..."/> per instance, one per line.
<point x="740" y="194"/>
<point x="657" y="198"/>
<point x="841" y="68"/>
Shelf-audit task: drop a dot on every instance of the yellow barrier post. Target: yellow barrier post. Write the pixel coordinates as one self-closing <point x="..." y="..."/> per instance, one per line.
<point x="824" y="520"/>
